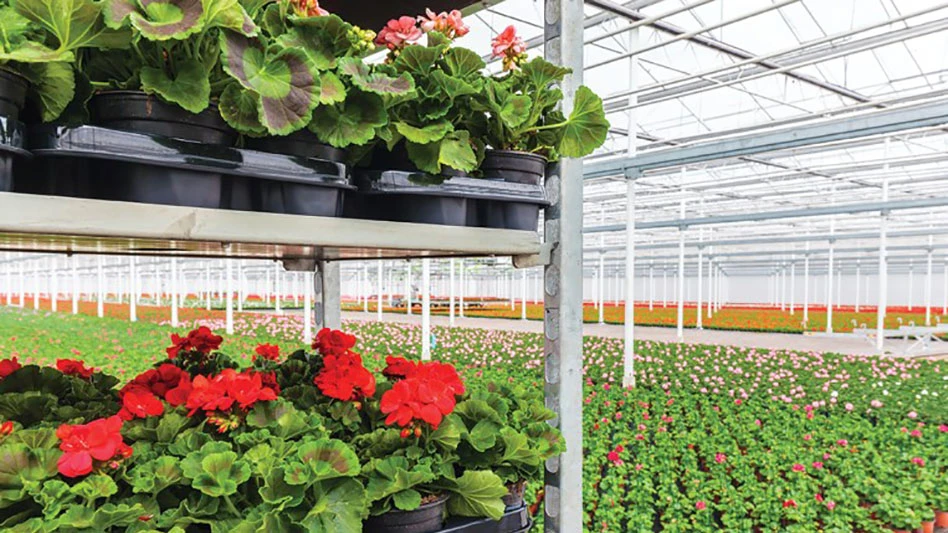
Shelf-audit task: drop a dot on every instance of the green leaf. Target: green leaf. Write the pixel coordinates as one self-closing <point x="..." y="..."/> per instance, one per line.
<point x="450" y="87"/>
<point x="418" y="60"/>
<point x="448" y="434"/>
<point x="339" y="507"/>
<point x="477" y="493"/>
<point x="516" y="110"/>
<point x="73" y="24"/>
<point x="425" y="156"/>
<point x="587" y="126"/>
<point x="392" y="475"/>
<point x="354" y="122"/>
<point x="517" y="448"/>
<point x="328" y="459"/>
<point x="540" y="73"/>
<point x="279" y="493"/>
<point x="324" y="39"/>
<point x="428" y="134"/>
<point x="158" y="20"/>
<point x="30" y="52"/>
<point x="191" y="89"/>
<point x="228" y="14"/>
<point x="483" y="435"/>
<point x="20" y="467"/>
<point x="238" y="106"/>
<point x="287" y="87"/>
<point x="222" y="474"/>
<point x="156" y="475"/>
<point x="464" y="63"/>
<point x="456" y="151"/>
<point x="407" y="500"/>
<point x="372" y="80"/>
<point x="94" y="487"/>
<point x="331" y="89"/>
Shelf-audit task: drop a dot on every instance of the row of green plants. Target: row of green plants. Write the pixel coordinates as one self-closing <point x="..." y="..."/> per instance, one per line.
<point x="275" y="67"/>
<point x="313" y="441"/>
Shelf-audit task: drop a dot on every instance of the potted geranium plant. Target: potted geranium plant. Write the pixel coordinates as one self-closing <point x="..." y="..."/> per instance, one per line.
<point x="524" y="125"/>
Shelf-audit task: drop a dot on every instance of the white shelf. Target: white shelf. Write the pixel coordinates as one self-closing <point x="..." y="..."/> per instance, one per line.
<point x="34" y="223"/>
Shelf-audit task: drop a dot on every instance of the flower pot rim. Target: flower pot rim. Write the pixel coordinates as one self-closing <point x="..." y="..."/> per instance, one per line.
<point x="212" y="105"/>
<point x="441" y="500"/>
<point x="14" y="75"/>
<point x="518" y="153"/>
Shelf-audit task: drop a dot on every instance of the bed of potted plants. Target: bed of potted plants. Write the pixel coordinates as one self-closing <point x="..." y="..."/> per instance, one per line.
<point x="258" y="105"/>
<point x="314" y="441"/>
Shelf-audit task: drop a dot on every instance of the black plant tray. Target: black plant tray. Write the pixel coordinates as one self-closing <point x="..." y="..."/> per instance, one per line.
<point x="12" y="135"/>
<point x="401" y="196"/>
<point x="122" y="165"/>
<point x="513" y="521"/>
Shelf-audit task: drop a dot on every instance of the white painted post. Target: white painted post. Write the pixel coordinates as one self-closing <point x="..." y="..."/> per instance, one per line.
<point x="806" y="285"/>
<point x="207" y="285"/>
<point x="54" y="284"/>
<point x="829" y="277"/>
<point x="229" y="286"/>
<point x="174" y="292"/>
<point x="365" y="287"/>
<point x="664" y="286"/>
<point x="628" y="329"/>
<point x="425" y="309"/>
<point x="883" y="260"/>
<point x="602" y="295"/>
<point x="911" y="288"/>
<point x="944" y="292"/>
<point x="241" y="288"/>
<point x="651" y="286"/>
<point x="451" y="295"/>
<point x="461" y="290"/>
<point x="523" y="295"/>
<point x="928" y="285"/>
<point x="100" y="288"/>
<point x="308" y="282"/>
<point x="700" y="278"/>
<point x="73" y="261"/>
<point x="22" y="284"/>
<point x="378" y="285"/>
<point x="793" y="285"/>
<point x="408" y="289"/>
<point x="132" y="290"/>
<point x="277" y="288"/>
<point x="858" y="275"/>
<point x="783" y="287"/>
<point x="681" y="266"/>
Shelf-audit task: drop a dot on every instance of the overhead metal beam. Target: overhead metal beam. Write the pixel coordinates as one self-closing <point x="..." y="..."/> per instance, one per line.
<point x="841" y="209"/>
<point x="885" y="121"/>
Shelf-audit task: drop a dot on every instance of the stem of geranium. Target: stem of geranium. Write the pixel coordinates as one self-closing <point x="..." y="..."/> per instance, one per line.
<point x="230" y="505"/>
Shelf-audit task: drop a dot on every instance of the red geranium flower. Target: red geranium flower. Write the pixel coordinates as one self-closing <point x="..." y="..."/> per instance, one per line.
<point x="398" y="367"/>
<point x="167" y="382"/>
<point x="417" y="399"/>
<point x="140" y="403"/>
<point x="6" y="428"/>
<point x="333" y="342"/>
<point x="9" y="366"/>
<point x="270" y="352"/>
<point x="72" y="367"/>
<point x="344" y="378"/>
<point x="99" y="440"/>
<point x="441" y="372"/>
<point x="200" y="340"/>
<point x="223" y="391"/>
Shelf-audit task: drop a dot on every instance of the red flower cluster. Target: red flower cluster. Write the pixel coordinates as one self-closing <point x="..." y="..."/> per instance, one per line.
<point x="140" y="403"/>
<point x="9" y="366"/>
<point x="72" y="367"/>
<point x="270" y="352"/>
<point x="333" y="342"/>
<point x="344" y="378"/>
<point x="167" y="382"/>
<point x="84" y="445"/>
<point x="200" y="340"/>
<point x="401" y="368"/>
<point x="6" y="429"/>
<point x="398" y="367"/>
<point x="426" y="394"/>
<point x="229" y="388"/>
<point x="450" y="24"/>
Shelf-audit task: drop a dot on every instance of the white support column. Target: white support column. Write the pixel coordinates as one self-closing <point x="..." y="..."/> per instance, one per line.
<point x="174" y="292"/>
<point x="523" y="294"/>
<point x="451" y="295"/>
<point x="783" y="287"/>
<point x="883" y="259"/>
<point x="309" y="279"/>
<point x="858" y="275"/>
<point x="681" y="266"/>
<point x="74" y="266"/>
<point x="100" y="288"/>
<point x="628" y="374"/>
<point x="22" y="284"/>
<point x="651" y="286"/>
<point x="700" y="278"/>
<point x="426" y="309"/>
<point x="944" y="292"/>
<point x="806" y="285"/>
<point x="664" y="286"/>
<point x="132" y="289"/>
<point x="241" y="289"/>
<point x="36" y="285"/>
<point x="229" y="297"/>
<point x="461" y="290"/>
<point x="408" y="288"/>
<point x="829" y="270"/>
<point x="54" y="284"/>
<point x="277" y="287"/>
<point x="928" y="285"/>
<point x="365" y="287"/>
<point x="602" y="294"/>
<point x="207" y="285"/>
<point x="710" y="280"/>
<point x="378" y="284"/>
<point x="911" y="285"/>
<point x="793" y="285"/>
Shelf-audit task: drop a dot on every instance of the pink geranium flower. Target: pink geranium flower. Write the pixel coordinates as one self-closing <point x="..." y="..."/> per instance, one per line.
<point x="450" y="24"/>
<point x="509" y="46"/>
<point x="399" y="33"/>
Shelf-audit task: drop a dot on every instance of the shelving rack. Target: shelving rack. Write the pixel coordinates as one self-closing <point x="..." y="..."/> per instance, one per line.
<point x="66" y="225"/>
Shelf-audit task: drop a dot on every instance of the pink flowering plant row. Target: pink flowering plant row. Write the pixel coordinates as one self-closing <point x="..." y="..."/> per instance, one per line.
<point x="312" y="441"/>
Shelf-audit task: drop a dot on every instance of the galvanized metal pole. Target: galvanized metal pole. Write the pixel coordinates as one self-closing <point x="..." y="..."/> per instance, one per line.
<point x="100" y="289"/>
<point x="681" y="267"/>
<point x="858" y="273"/>
<point x="365" y="287"/>
<point x="229" y="289"/>
<point x="277" y="287"/>
<point x="132" y="289"/>
<point x="451" y="295"/>
<point x="944" y="293"/>
<point x="829" y="268"/>
<point x="911" y="283"/>
<point x="928" y="285"/>
<point x="408" y="288"/>
<point x="241" y="286"/>
<point x="208" y="288"/>
<point x="883" y="261"/>
<point x="601" y="292"/>
<point x="328" y="306"/>
<point x="174" y="292"/>
<point x="793" y="285"/>
<point x="628" y="373"/>
<point x="378" y="284"/>
<point x="563" y="347"/>
<point x="309" y="286"/>
<point x="523" y="295"/>
<point x="461" y="289"/>
<point x="425" y="309"/>
<point x="806" y="285"/>
<point x="54" y="284"/>
<point x="73" y="263"/>
<point x="651" y="286"/>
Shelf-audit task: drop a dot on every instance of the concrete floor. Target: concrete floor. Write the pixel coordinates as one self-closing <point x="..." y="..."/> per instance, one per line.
<point x="746" y="339"/>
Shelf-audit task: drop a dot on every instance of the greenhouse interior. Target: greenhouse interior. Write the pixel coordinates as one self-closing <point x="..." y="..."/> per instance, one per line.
<point x="461" y="266"/>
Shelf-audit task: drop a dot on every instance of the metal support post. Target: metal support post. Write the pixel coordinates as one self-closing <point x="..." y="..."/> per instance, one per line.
<point x="426" y="309"/>
<point x="327" y="305"/>
<point x="806" y="285"/>
<point x="911" y="283"/>
<point x="365" y="287"/>
<point x="858" y="275"/>
<point x="132" y="289"/>
<point x="793" y="286"/>
<point x="309" y="286"/>
<point x="229" y="296"/>
<point x="651" y="287"/>
<point x="378" y="284"/>
<point x="408" y="288"/>
<point x="100" y="288"/>
<point x="54" y="285"/>
<point x="523" y="294"/>
<point x="883" y="260"/>
<point x="681" y="266"/>
<point x="451" y="295"/>
<point x="563" y="346"/>
<point x="174" y="292"/>
<point x="461" y="289"/>
<point x="601" y="292"/>
<point x="928" y="285"/>
<point x="628" y="374"/>
<point x="277" y="287"/>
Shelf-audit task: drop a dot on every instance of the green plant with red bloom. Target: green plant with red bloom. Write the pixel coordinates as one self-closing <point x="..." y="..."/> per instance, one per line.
<point x="73" y="367"/>
<point x="226" y="397"/>
<point x="343" y="377"/>
<point x="92" y="446"/>
<point x="270" y="352"/>
<point x="9" y="366"/>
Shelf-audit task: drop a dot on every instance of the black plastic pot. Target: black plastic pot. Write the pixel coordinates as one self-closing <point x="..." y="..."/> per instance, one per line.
<point x="515" y="520"/>
<point x="425" y="519"/>
<point x="398" y="159"/>
<point x="13" y="89"/>
<point x="11" y="148"/>
<point x="141" y="113"/>
<point x="514" y="167"/>
<point x="299" y="197"/>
